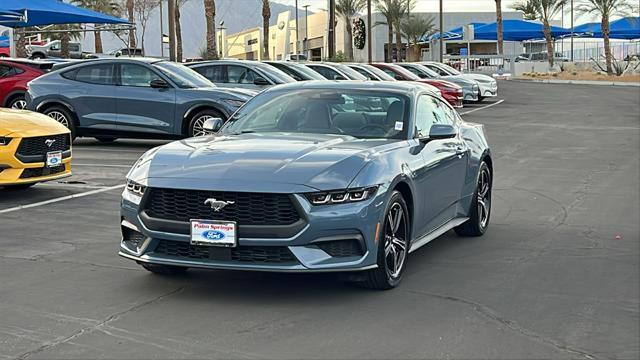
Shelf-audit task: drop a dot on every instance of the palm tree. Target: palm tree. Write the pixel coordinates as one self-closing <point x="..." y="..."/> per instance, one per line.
<point x="499" y="26"/>
<point x="109" y="7"/>
<point x="528" y="9"/>
<point x="546" y="10"/>
<point x="266" y="16"/>
<point x="605" y="9"/>
<point x="416" y="28"/>
<point x="210" y="15"/>
<point x="179" y="3"/>
<point x="348" y="9"/>
<point x="403" y="9"/>
<point x="390" y="10"/>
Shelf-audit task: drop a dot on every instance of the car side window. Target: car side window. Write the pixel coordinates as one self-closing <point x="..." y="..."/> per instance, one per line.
<point x="326" y="72"/>
<point x="214" y="73"/>
<point x="95" y="74"/>
<point x="389" y="72"/>
<point x="437" y="69"/>
<point x="241" y="75"/>
<point x="413" y="70"/>
<point x="136" y="75"/>
<point x="364" y="73"/>
<point x="5" y="70"/>
<point x="431" y="111"/>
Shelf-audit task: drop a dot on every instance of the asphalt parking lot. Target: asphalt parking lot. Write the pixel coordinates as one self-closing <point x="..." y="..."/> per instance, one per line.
<point x="556" y="276"/>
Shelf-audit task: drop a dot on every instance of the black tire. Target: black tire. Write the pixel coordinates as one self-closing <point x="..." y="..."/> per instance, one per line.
<point x="384" y="278"/>
<point x="38" y="56"/>
<point x="17" y="102"/>
<point x="106" y="139"/>
<point x="62" y="115"/>
<point x="164" y="269"/>
<point x="196" y="120"/>
<point x="479" y="220"/>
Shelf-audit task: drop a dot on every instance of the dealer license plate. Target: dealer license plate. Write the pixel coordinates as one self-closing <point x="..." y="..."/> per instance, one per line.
<point x="54" y="158"/>
<point x="214" y="233"/>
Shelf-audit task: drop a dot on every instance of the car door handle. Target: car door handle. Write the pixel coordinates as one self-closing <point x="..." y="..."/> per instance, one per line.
<point x="460" y="151"/>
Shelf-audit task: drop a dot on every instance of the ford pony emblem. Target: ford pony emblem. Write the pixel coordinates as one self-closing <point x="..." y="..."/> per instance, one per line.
<point x="217" y="205"/>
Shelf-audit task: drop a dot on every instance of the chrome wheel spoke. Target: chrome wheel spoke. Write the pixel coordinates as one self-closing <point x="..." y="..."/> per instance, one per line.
<point x="20" y="104"/>
<point x="395" y="246"/>
<point x="198" y="125"/>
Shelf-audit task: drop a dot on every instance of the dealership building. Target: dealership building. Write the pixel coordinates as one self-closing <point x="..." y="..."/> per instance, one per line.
<point x="247" y="44"/>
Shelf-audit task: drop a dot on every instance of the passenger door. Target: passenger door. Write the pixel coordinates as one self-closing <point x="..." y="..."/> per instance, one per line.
<point x="92" y="95"/>
<point x="217" y="74"/>
<point x="142" y="108"/>
<point x="445" y="161"/>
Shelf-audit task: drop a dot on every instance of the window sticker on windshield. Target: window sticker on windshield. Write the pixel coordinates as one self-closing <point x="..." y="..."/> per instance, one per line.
<point x="399" y="125"/>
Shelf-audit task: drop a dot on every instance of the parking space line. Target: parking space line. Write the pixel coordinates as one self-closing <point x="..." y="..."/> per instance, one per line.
<point x="482" y="108"/>
<point x="68" y="197"/>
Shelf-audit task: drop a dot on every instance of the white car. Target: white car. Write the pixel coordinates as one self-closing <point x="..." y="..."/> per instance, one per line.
<point x="488" y="86"/>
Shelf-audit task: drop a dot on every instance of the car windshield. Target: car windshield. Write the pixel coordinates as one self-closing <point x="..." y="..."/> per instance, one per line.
<point x="383" y="76"/>
<point x="352" y="74"/>
<point x="276" y="75"/>
<point x="449" y="69"/>
<point x="361" y="114"/>
<point x="182" y="75"/>
<point x="408" y="75"/>
<point x="309" y="73"/>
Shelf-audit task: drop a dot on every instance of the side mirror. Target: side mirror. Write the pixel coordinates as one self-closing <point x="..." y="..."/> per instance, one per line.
<point x="339" y="77"/>
<point x="260" y="81"/>
<point x="212" y="125"/>
<point x="439" y="131"/>
<point x="158" y="84"/>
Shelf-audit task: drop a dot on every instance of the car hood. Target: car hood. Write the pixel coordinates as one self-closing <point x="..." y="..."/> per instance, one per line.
<point x="459" y="79"/>
<point x="273" y="162"/>
<point x="23" y="123"/>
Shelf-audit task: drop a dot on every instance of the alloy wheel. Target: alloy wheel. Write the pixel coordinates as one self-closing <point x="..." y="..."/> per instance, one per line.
<point x="198" y="125"/>
<point x="484" y="197"/>
<point x="395" y="245"/>
<point x="20" y="104"/>
<point x="59" y="117"/>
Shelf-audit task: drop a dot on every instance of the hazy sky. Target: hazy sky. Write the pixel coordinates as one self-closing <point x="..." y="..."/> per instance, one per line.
<point x="423" y="5"/>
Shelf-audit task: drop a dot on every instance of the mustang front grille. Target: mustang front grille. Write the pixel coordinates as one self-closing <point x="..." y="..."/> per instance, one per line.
<point x="253" y="254"/>
<point x="38" y="172"/>
<point x="247" y="208"/>
<point x="34" y="149"/>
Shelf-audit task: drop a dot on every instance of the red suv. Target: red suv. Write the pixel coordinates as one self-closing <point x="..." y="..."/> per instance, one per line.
<point x="14" y="76"/>
<point x="450" y="91"/>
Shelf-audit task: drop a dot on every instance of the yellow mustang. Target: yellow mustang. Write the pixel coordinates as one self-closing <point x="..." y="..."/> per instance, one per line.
<point x="33" y="148"/>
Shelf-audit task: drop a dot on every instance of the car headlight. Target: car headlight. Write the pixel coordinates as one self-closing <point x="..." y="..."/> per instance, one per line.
<point x="341" y="196"/>
<point x="133" y="192"/>
<point x="4" y="141"/>
<point x="234" y="102"/>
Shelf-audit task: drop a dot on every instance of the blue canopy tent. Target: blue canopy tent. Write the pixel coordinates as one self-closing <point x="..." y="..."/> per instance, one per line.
<point x="626" y="28"/>
<point x="456" y="33"/>
<point x="22" y="13"/>
<point x="518" y="30"/>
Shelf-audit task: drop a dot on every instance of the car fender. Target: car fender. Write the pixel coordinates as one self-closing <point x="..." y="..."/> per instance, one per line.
<point x="55" y="100"/>
<point x="212" y="104"/>
<point x="5" y="101"/>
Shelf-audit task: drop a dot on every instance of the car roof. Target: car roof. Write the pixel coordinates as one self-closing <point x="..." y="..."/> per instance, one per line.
<point x="392" y="86"/>
<point x="107" y="60"/>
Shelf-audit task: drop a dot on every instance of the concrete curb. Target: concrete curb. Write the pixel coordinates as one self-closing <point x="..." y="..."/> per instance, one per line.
<point x="580" y="82"/>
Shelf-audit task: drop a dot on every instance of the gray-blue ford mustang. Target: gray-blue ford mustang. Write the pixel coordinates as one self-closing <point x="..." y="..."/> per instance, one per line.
<point x="312" y="176"/>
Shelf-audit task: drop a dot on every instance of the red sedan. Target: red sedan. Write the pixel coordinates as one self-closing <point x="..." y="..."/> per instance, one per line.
<point x="14" y="76"/>
<point x="450" y="91"/>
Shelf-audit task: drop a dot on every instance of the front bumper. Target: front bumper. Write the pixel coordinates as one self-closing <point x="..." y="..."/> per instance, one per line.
<point x="488" y="89"/>
<point x="13" y="171"/>
<point x="318" y="247"/>
<point x="470" y="93"/>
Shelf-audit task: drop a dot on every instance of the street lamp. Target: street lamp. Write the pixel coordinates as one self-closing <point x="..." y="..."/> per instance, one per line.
<point x="305" y="46"/>
<point x="222" y="29"/>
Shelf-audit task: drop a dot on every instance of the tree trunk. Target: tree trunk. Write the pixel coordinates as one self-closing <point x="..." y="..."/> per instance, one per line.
<point x="97" y="42"/>
<point x="348" y="48"/>
<point x="132" y="36"/>
<point x="266" y="16"/>
<point x="210" y="15"/>
<point x="607" y="49"/>
<point x="549" y="40"/>
<point x="64" y="45"/>
<point x="398" y="43"/>
<point x="389" y="44"/>
<point x="178" y="34"/>
<point x="21" y="42"/>
<point x="499" y="27"/>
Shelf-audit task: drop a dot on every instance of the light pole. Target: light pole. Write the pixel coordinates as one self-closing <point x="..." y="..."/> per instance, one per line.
<point x="572" y="30"/>
<point x="441" y="33"/>
<point x="161" y="32"/>
<point x="297" y="41"/>
<point x="369" y="35"/>
<point x="305" y="45"/>
<point x="332" y="24"/>
<point x="222" y="29"/>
